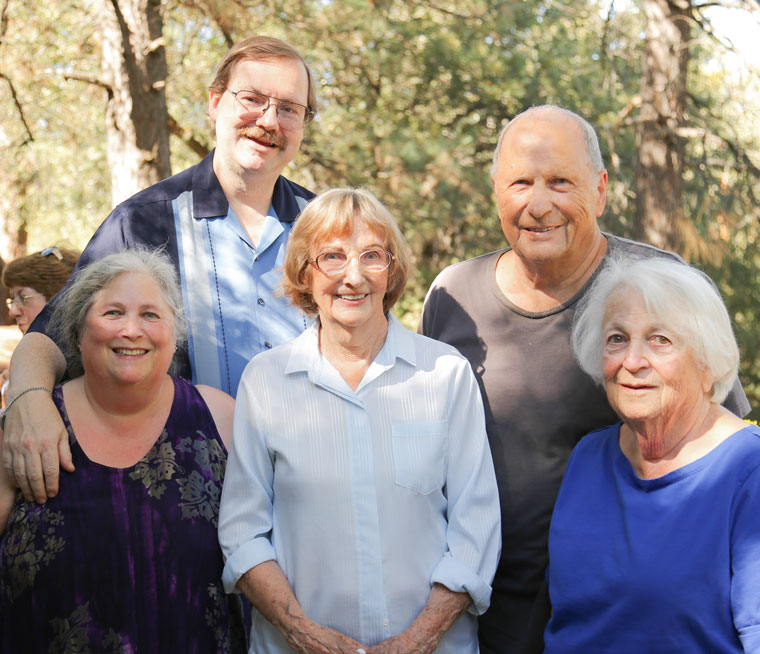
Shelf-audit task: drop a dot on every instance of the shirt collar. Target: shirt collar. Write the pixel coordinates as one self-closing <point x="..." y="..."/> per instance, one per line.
<point x="209" y="200"/>
<point x="306" y="357"/>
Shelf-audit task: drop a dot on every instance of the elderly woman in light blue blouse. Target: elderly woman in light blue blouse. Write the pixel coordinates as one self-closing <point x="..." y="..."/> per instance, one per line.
<point x="359" y="511"/>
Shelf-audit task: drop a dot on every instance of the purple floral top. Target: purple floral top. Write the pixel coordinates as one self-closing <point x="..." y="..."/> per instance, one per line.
<point x="123" y="559"/>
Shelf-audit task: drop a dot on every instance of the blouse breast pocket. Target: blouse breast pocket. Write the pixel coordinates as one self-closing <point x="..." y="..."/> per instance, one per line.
<point x="419" y="455"/>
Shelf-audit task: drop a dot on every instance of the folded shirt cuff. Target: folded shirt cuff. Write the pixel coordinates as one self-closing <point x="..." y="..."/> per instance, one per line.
<point x="245" y="557"/>
<point x="459" y="578"/>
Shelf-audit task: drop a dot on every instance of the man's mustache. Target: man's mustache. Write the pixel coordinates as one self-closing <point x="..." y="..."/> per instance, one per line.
<point x="263" y="135"/>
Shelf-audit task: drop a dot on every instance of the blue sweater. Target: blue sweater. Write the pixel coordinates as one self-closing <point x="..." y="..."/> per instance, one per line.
<point x="649" y="566"/>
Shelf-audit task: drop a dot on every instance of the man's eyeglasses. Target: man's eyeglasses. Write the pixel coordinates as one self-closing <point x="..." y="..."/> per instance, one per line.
<point x="20" y="300"/>
<point x="334" y="263"/>
<point x="289" y="113"/>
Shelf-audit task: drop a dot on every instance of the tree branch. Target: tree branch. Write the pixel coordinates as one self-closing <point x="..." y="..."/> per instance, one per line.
<point x="17" y="102"/>
<point x="186" y="136"/>
<point x="89" y="78"/>
<point x="737" y="150"/>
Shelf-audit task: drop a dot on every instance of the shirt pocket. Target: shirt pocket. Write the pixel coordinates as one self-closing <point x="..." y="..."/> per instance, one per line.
<point x="418" y="455"/>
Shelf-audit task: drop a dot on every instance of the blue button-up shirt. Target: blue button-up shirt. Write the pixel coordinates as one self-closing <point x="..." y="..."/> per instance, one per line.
<point x="231" y="292"/>
<point x="233" y="314"/>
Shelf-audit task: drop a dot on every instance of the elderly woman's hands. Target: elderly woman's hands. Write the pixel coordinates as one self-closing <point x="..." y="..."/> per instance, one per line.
<point x="267" y="587"/>
<point x="312" y="638"/>
<point x="404" y="644"/>
<point x="443" y="608"/>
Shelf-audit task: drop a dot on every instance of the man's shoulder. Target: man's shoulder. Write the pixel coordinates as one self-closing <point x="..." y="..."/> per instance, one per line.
<point x="621" y="244"/>
<point x="466" y="272"/>
<point x="151" y="205"/>
<point x="166" y="189"/>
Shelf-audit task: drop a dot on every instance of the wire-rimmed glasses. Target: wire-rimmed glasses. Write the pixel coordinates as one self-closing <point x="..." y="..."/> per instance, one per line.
<point x="290" y="114"/>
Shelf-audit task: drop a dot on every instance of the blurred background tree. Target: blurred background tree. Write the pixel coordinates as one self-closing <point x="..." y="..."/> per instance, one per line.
<point x="413" y="94"/>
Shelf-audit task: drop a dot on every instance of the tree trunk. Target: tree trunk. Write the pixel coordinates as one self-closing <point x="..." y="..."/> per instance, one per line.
<point x="659" y="146"/>
<point x="137" y="120"/>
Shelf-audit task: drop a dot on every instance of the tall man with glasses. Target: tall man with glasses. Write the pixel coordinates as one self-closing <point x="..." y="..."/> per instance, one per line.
<point x="224" y="222"/>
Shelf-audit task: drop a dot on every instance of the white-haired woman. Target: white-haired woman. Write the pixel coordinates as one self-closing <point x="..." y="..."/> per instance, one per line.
<point x="654" y="544"/>
<point x="125" y="557"/>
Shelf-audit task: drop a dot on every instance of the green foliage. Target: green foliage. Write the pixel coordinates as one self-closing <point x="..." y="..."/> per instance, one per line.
<point x="52" y="156"/>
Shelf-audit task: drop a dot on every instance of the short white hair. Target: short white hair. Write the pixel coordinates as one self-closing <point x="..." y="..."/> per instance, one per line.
<point x="590" y="138"/>
<point x="676" y="294"/>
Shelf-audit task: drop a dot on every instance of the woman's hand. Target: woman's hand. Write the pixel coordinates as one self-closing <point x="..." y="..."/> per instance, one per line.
<point x="442" y="609"/>
<point x="267" y="588"/>
<point x="312" y="638"/>
<point x="404" y="643"/>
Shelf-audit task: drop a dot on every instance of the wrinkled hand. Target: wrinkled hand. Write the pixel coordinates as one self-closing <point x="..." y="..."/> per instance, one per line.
<point x="404" y="643"/>
<point x="313" y="638"/>
<point x="35" y="445"/>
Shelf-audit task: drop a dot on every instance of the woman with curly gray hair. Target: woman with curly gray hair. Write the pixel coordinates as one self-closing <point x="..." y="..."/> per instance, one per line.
<point x="125" y="556"/>
<point x="654" y="544"/>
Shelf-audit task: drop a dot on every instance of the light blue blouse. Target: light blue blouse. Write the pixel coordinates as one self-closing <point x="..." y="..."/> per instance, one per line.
<point x="364" y="498"/>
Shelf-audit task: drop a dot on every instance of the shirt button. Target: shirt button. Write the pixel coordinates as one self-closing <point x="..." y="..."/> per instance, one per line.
<point x="267" y="344"/>
<point x="386" y="623"/>
<point x="261" y="301"/>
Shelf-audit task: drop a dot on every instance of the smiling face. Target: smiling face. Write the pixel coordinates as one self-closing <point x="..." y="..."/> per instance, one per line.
<point x="352" y="299"/>
<point x="128" y="334"/>
<point x="249" y="143"/>
<point x="650" y="373"/>
<point x="24" y="313"/>
<point x="547" y="192"/>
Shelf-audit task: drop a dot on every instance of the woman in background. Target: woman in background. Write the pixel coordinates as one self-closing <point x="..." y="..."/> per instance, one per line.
<point x="32" y="280"/>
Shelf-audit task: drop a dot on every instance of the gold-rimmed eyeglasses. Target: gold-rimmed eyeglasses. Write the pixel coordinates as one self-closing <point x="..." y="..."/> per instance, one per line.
<point x="334" y="263"/>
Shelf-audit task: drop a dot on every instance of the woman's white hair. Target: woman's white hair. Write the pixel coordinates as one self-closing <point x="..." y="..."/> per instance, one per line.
<point x="677" y="295"/>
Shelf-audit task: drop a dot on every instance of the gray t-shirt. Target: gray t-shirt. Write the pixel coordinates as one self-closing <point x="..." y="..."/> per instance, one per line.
<point x="538" y="405"/>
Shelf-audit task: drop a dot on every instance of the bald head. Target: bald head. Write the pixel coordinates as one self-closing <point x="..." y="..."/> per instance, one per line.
<point x="550" y="111"/>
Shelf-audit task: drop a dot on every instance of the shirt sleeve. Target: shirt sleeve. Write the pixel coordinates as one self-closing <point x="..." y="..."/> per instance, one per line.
<point x="427" y="320"/>
<point x="245" y="513"/>
<point x="473" y="534"/>
<point x="745" y="563"/>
